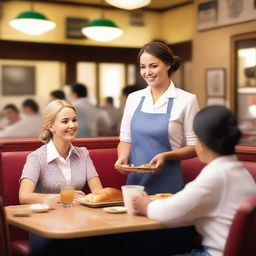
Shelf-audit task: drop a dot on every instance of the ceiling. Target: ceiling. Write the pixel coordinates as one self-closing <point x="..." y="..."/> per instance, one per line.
<point x="157" y="5"/>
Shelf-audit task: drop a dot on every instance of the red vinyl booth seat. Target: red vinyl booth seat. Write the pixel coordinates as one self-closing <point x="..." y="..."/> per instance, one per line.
<point x="242" y="235"/>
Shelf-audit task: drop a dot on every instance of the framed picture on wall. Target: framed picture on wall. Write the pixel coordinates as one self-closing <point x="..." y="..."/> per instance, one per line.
<point x="217" y="13"/>
<point x="74" y="26"/>
<point x="216" y="82"/>
<point x="18" y="80"/>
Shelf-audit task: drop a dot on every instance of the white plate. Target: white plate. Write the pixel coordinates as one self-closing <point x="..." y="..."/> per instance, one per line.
<point x="115" y="209"/>
<point x="39" y="207"/>
<point x="21" y="211"/>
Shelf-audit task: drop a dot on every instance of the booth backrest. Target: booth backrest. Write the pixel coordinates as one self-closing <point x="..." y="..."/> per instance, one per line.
<point x="12" y="164"/>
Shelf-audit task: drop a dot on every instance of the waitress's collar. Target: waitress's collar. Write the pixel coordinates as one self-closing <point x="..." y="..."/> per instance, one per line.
<point x="169" y="93"/>
<point x="53" y="154"/>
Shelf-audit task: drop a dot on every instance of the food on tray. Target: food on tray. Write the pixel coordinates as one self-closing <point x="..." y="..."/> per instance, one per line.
<point x="160" y="196"/>
<point x="145" y="166"/>
<point x="139" y="166"/>
<point x="104" y="195"/>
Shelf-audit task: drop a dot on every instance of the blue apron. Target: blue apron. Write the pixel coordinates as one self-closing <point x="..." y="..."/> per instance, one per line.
<point x="149" y="136"/>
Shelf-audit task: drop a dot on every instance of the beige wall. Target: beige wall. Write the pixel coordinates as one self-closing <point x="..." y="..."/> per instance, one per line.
<point x="177" y="25"/>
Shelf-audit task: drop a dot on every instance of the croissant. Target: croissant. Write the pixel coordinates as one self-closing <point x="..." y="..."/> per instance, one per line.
<point x="104" y="195"/>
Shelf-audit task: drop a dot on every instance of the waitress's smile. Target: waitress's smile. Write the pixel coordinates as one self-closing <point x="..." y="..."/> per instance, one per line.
<point x="153" y="70"/>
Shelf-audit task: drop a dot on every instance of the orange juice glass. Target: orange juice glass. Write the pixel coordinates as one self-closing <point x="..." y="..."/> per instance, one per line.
<point x="67" y="193"/>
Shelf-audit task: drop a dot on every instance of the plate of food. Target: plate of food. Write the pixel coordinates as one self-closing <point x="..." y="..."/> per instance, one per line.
<point x="159" y="196"/>
<point x="115" y="209"/>
<point x="21" y="210"/>
<point x="143" y="168"/>
<point x="103" y="197"/>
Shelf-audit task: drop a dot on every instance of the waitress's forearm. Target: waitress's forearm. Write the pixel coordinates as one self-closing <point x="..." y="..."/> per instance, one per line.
<point x="181" y="153"/>
<point x="123" y="150"/>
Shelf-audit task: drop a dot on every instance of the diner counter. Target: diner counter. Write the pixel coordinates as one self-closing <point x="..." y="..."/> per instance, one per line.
<point x="79" y="221"/>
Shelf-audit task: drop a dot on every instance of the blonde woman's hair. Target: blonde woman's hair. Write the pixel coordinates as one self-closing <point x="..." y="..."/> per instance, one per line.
<point x="50" y="113"/>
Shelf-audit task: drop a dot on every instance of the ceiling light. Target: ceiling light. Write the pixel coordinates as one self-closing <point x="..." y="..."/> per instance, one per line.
<point x="128" y="4"/>
<point x="102" y="30"/>
<point x="32" y="23"/>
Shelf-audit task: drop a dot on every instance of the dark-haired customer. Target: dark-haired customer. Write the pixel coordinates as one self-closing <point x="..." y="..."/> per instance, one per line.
<point x="211" y="200"/>
<point x="157" y="127"/>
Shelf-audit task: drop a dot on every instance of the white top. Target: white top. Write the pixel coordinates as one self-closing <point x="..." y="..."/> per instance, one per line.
<point x="184" y="109"/>
<point x="28" y="127"/>
<point x="48" y="176"/>
<point x="209" y="202"/>
<point x="64" y="164"/>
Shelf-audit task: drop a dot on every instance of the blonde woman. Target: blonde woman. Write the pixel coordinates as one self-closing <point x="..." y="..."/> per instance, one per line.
<point x="55" y="163"/>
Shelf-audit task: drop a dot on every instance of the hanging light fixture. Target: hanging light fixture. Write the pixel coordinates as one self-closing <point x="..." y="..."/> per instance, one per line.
<point x="32" y="23"/>
<point x="102" y="30"/>
<point x="129" y="4"/>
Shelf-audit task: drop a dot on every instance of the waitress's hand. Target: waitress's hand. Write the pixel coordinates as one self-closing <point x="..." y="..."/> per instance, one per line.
<point x="120" y="161"/>
<point x="158" y="161"/>
<point x="140" y="204"/>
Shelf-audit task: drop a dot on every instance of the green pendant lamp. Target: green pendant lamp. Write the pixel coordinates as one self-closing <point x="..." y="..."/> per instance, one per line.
<point x="102" y="30"/>
<point x="32" y="23"/>
<point x="128" y="4"/>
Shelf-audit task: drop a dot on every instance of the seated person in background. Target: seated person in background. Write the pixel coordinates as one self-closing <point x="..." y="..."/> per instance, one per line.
<point x="92" y="120"/>
<point x="11" y="114"/>
<point x="123" y="97"/>
<point x="57" y="95"/>
<point x="28" y="126"/>
<point x="55" y="163"/>
<point x="211" y="200"/>
<point x="113" y="113"/>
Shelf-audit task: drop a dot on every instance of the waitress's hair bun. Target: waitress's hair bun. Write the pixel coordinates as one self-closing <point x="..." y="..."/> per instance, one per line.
<point x="216" y="127"/>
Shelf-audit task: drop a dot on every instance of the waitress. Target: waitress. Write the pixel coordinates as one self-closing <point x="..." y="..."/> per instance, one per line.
<point x="157" y="123"/>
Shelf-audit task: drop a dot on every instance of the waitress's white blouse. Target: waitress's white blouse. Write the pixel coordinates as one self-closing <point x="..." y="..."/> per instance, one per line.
<point x="185" y="107"/>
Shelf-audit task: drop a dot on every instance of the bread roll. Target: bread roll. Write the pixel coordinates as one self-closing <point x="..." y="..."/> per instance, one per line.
<point x="104" y="195"/>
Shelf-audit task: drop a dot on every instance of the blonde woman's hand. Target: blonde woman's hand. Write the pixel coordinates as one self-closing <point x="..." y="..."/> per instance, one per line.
<point x="79" y="193"/>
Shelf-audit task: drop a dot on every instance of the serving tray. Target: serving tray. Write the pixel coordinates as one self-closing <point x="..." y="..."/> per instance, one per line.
<point x="101" y="204"/>
<point x="137" y="169"/>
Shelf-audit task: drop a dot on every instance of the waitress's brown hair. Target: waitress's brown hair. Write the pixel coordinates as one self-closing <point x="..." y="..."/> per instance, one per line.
<point x="163" y="52"/>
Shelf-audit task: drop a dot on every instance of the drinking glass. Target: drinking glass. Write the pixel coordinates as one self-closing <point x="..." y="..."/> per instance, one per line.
<point x="130" y="191"/>
<point x="67" y="193"/>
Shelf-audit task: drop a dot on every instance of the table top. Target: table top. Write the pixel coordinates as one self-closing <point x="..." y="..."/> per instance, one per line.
<point x="80" y="221"/>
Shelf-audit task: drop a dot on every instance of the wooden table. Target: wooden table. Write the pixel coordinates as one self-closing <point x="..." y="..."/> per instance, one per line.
<point x="80" y="221"/>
